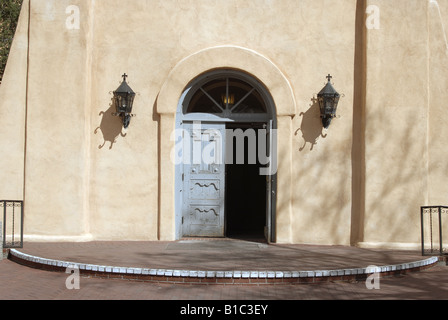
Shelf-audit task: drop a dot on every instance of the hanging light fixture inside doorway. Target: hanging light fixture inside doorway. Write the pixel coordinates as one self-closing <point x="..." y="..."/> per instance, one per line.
<point x="123" y="100"/>
<point x="228" y="99"/>
<point x="328" y="99"/>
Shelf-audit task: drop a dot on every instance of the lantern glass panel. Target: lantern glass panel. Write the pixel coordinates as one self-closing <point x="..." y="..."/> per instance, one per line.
<point x="121" y="103"/>
<point x="130" y="101"/>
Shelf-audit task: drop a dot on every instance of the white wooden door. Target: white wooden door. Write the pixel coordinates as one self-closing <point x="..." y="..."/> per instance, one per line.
<point x="203" y="180"/>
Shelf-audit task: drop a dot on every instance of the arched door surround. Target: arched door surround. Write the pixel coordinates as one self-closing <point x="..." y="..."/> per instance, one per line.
<point x="186" y="70"/>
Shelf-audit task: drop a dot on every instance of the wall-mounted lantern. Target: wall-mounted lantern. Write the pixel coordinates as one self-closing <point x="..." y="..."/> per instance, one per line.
<point x="328" y="99"/>
<point x="123" y="99"/>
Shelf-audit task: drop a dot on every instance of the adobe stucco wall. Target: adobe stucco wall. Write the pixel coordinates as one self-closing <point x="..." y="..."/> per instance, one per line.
<point x="361" y="182"/>
<point x="404" y="132"/>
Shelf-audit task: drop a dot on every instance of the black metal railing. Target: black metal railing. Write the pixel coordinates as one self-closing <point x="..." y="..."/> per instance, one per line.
<point x="433" y="225"/>
<point x="12" y="223"/>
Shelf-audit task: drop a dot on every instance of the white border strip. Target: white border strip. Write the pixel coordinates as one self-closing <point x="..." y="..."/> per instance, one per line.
<point x="222" y="274"/>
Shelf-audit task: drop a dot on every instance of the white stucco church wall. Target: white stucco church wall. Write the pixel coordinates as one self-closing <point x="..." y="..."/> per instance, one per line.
<point x="361" y="182"/>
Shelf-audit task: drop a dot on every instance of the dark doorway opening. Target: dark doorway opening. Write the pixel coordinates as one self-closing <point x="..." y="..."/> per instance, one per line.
<point x="245" y="199"/>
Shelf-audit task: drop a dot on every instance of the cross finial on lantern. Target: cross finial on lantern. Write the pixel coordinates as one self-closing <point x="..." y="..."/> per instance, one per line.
<point x="124" y="76"/>
<point x="329" y="77"/>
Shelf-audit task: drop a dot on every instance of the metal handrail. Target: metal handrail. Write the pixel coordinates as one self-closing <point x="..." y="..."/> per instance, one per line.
<point x="432" y="210"/>
<point x="13" y="204"/>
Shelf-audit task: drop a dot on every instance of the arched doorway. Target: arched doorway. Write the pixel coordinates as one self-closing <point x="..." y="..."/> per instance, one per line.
<point x="225" y="157"/>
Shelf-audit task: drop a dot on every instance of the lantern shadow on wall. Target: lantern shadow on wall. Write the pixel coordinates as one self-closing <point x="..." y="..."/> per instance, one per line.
<point x="110" y="126"/>
<point x="311" y="125"/>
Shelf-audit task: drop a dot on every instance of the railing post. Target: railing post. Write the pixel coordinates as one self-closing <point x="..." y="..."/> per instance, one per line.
<point x="12" y="223"/>
<point x="440" y="231"/>
<point x="437" y="213"/>
<point x="422" y="231"/>
<point x="1" y="241"/>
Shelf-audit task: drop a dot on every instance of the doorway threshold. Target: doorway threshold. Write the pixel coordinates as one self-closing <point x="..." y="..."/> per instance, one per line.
<point x="228" y="238"/>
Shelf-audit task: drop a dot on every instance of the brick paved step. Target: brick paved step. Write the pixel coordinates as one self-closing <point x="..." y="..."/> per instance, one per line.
<point x="207" y="277"/>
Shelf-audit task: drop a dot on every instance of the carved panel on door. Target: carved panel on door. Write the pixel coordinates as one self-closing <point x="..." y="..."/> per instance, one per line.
<point x="206" y="189"/>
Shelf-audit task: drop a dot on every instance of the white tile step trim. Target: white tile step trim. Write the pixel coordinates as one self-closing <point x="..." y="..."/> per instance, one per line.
<point x="223" y="274"/>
